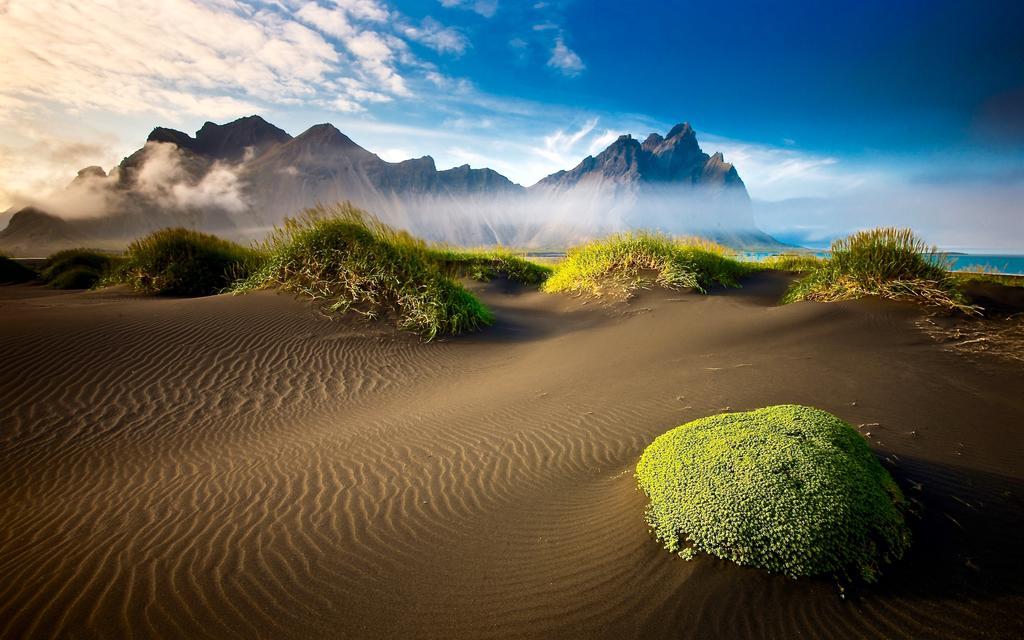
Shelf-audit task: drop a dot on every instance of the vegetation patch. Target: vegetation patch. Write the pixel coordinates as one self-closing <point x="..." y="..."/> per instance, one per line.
<point x="12" y="271"/>
<point x="799" y="263"/>
<point x="790" y="489"/>
<point x="355" y="263"/>
<point x="969" y="277"/>
<point x="78" y="268"/>
<point x="885" y="262"/>
<point x="622" y="263"/>
<point x="487" y="264"/>
<point x="184" y="262"/>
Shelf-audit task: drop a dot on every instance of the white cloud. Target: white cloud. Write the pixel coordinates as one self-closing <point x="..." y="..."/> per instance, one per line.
<point x="561" y="142"/>
<point x="344" y="105"/>
<point x="486" y="8"/>
<point x="47" y="162"/>
<point x="436" y="36"/>
<point x="331" y="22"/>
<point x="777" y="173"/>
<point x="598" y="144"/>
<point x="394" y="154"/>
<point x="565" y="59"/>
<point x="163" y="57"/>
<point x="364" y="9"/>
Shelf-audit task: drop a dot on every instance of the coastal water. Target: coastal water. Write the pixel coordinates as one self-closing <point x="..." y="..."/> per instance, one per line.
<point x="989" y="263"/>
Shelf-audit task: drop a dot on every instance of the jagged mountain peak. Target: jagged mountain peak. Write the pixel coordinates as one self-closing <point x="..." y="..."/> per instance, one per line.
<point x="234" y="141"/>
<point x="248" y="136"/>
<point x="651" y="142"/>
<point x="681" y="130"/>
<point x="675" y="158"/>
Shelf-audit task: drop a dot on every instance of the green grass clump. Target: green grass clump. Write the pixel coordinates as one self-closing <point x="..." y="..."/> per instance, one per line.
<point x="78" y="268"/>
<point x="346" y="257"/>
<point x="624" y="262"/>
<point x="13" y="272"/>
<point x="791" y="262"/>
<point x="487" y="264"/>
<point x="885" y="262"/>
<point x="184" y="262"/>
<point x="790" y="489"/>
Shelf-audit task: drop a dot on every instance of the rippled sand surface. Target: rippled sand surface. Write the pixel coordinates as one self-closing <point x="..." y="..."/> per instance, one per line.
<point x="244" y="466"/>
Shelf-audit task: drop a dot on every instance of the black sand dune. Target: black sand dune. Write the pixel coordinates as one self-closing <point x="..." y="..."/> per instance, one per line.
<point x="243" y="466"/>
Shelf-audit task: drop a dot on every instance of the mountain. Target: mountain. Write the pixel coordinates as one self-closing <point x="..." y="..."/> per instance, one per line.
<point x="667" y="183"/>
<point x="241" y="178"/>
<point x="231" y="142"/>
<point x="675" y="159"/>
<point x="31" y="233"/>
<point x="324" y="165"/>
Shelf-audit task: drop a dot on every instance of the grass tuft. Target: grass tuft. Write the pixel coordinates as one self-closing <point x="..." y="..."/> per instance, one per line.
<point x="78" y="268"/>
<point x="789" y="489"/>
<point x="885" y="262"/>
<point x="13" y="272"/>
<point x="185" y="262"/>
<point x="622" y="263"/>
<point x="791" y="262"/>
<point x="352" y="261"/>
<point x="487" y="264"/>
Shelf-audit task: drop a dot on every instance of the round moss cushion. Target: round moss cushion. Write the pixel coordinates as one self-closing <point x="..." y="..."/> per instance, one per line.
<point x="790" y="489"/>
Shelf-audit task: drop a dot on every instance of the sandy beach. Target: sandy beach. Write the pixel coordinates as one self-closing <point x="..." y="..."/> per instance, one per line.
<point x="246" y="466"/>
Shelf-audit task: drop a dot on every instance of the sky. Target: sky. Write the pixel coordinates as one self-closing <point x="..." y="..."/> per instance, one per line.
<point x="836" y="115"/>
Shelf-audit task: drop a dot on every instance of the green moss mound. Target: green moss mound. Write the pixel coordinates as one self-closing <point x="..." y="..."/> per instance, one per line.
<point x="13" y="272"/>
<point x="622" y="263"/>
<point x="184" y="262"/>
<point x="885" y="262"/>
<point x="355" y="263"/>
<point x="78" y="268"/>
<point x="790" y="489"/>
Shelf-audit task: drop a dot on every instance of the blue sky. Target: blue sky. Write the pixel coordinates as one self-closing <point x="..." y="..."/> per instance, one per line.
<point x="835" y="108"/>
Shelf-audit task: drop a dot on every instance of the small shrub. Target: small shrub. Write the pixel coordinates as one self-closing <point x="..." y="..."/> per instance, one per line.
<point x="186" y="263"/>
<point x="624" y="262"/>
<point x="788" y="488"/>
<point x="346" y="257"/>
<point x="13" y="272"/>
<point x="886" y="262"/>
<point x="77" y="268"/>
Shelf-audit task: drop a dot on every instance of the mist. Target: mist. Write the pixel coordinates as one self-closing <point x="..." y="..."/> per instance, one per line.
<point x="161" y="186"/>
<point x="538" y="219"/>
<point x="976" y="216"/>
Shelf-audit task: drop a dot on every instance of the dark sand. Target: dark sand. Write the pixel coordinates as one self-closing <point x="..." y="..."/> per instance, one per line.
<point x="243" y="466"/>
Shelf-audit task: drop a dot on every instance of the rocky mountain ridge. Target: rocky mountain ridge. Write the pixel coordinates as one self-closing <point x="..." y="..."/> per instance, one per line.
<point x="243" y="177"/>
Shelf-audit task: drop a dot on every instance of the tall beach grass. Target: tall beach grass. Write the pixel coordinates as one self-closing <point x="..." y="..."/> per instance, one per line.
<point x="885" y="262"/>
<point x="185" y="262"/>
<point x="622" y="263"/>
<point x="353" y="262"/>
<point x="79" y="268"/>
